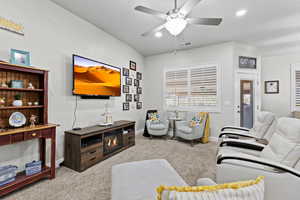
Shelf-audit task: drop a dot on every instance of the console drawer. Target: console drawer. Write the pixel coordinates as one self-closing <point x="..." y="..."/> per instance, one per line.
<point x="86" y="156"/>
<point x="90" y="161"/>
<point x="32" y="135"/>
<point x="19" y="137"/>
<point x="5" y="139"/>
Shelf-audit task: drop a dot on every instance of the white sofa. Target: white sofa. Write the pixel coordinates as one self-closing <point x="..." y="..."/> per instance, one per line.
<point x="139" y="180"/>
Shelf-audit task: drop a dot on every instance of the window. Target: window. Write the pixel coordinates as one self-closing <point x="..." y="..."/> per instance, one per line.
<point x="295" y="87"/>
<point x="193" y="88"/>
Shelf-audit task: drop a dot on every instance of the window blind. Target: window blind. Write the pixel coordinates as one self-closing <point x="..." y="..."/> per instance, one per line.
<point x="297" y="88"/>
<point x="193" y="87"/>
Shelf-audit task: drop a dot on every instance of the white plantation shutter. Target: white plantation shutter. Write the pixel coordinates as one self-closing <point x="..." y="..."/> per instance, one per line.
<point x="192" y="88"/>
<point x="176" y="87"/>
<point x="295" y="87"/>
<point x="203" y="86"/>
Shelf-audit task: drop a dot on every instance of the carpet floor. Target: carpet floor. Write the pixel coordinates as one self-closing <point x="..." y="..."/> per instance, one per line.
<point x="95" y="183"/>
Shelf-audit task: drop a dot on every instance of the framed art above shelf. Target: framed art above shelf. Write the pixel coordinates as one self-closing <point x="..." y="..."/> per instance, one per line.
<point x="22" y="89"/>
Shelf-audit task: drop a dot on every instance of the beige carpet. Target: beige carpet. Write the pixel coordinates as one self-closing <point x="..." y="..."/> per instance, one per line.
<point x="95" y="183"/>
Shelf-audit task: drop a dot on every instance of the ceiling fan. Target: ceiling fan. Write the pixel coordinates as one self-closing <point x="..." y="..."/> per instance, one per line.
<point x="177" y="18"/>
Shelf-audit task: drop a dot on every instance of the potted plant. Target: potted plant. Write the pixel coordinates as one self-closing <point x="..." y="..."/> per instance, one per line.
<point x="17" y="101"/>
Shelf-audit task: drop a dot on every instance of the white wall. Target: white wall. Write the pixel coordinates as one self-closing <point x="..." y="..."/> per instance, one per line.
<point x="277" y="67"/>
<point x="221" y="54"/>
<point x="52" y="35"/>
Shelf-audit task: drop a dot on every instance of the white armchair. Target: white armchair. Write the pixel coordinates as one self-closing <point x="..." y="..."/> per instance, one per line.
<point x="159" y="128"/>
<point x="279" y="162"/>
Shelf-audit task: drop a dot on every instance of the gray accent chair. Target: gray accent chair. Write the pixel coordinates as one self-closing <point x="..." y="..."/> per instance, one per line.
<point x="184" y="131"/>
<point x="158" y="129"/>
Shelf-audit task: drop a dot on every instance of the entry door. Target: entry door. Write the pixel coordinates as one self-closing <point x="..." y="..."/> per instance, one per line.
<point x="247" y="100"/>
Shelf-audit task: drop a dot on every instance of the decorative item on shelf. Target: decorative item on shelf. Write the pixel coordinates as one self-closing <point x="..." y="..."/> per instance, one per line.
<point x="128" y="81"/>
<point x="33" y="167"/>
<point x="136" y="82"/>
<point x="17" y="119"/>
<point x="2" y="102"/>
<point x="7" y="174"/>
<point x="19" y="57"/>
<point x="4" y="85"/>
<point x="128" y="97"/>
<point x="18" y="84"/>
<point x="126" y="106"/>
<point x="36" y="103"/>
<point x="32" y="120"/>
<point x="271" y="87"/>
<point x="139" y="75"/>
<point x="17" y="101"/>
<point x="139" y="90"/>
<point x="139" y="105"/>
<point x="125" y="72"/>
<point x="125" y="89"/>
<point x="136" y="97"/>
<point x="108" y="116"/>
<point x="30" y="86"/>
<point x="29" y="103"/>
<point x="132" y="65"/>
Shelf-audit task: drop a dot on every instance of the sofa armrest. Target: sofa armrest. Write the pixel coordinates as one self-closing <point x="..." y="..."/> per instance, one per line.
<point x="230" y="133"/>
<point x="253" y="145"/>
<point x="182" y="123"/>
<point x="257" y="160"/>
<point x="235" y="128"/>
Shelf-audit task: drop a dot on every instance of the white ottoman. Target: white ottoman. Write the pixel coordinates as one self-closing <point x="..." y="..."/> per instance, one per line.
<point x="139" y="180"/>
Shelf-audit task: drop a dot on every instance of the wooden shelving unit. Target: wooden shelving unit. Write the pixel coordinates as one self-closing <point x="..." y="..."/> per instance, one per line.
<point x="42" y="131"/>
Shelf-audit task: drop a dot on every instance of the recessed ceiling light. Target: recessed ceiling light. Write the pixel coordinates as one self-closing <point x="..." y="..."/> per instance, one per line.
<point x="158" y="34"/>
<point x="241" y="13"/>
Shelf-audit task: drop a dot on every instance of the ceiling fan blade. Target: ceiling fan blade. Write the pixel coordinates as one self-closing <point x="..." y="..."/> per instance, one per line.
<point x="151" y="12"/>
<point x="205" y="21"/>
<point x="153" y="31"/>
<point x="188" y="6"/>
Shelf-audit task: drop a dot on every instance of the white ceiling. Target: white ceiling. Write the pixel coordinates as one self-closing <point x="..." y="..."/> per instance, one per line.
<point x="268" y="24"/>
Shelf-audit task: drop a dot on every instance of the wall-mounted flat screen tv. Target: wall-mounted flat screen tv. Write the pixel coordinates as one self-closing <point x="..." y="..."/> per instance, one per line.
<point x="93" y="78"/>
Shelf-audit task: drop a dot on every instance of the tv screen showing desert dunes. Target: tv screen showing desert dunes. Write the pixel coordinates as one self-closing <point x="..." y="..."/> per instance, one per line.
<point x="95" y="78"/>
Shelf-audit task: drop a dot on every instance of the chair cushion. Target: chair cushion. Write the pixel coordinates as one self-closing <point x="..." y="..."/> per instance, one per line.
<point x="264" y="121"/>
<point x="284" y="145"/>
<point x="185" y="129"/>
<point x="244" y="190"/>
<point x="157" y="126"/>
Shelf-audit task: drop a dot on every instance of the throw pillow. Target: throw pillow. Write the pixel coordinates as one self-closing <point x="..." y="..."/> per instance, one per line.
<point x="196" y="120"/>
<point x="245" y="190"/>
<point x="154" y="118"/>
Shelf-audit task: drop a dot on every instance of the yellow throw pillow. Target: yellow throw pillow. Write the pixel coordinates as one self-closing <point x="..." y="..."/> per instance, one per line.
<point x="244" y="190"/>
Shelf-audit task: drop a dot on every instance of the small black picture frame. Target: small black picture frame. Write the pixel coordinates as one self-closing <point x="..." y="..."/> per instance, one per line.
<point x="136" y="97"/>
<point x="126" y="106"/>
<point x="139" y="105"/>
<point x="125" y="89"/>
<point x="247" y="62"/>
<point x="128" y="97"/>
<point x="125" y="72"/>
<point x="272" y="87"/>
<point x="139" y="90"/>
<point x="128" y="81"/>
<point x="136" y="82"/>
<point x="132" y="65"/>
<point x="139" y="75"/>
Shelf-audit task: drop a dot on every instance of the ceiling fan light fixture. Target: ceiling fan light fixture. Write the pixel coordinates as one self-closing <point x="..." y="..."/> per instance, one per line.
<point x="175" y="25"/>
<point x="158" y="34"/>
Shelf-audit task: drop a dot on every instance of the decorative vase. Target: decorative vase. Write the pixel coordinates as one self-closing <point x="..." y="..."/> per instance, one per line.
<point x="17" y="103"/>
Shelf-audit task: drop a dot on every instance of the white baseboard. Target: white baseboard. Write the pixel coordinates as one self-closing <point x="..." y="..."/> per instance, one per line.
<point x="57" y="162"/>
<point x="139" y="132"/>
<point x="213" y="139"/>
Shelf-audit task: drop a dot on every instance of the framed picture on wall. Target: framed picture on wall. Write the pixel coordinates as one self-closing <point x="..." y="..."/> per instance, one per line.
<point x="139" y="90"/>
<point x="126" y="106"/>
<point x="139" y="75"/>
<point x="125" y="89"/>
<point x="128" y="81"/>
<point x="247" y="62"/>
<point x="128" y="97"/>
<point x="136" y="82"/>
<point x="136" y="97"/>
<point x="19" y="57"/>
<point x="125" y="72"/>
<point x="132" y="65"/>
<point x="139" y="105"/>
<point x="271" y="87"/>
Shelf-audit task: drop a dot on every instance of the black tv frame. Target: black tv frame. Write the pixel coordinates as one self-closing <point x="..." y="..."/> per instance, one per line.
<point x="83" y="96"/>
